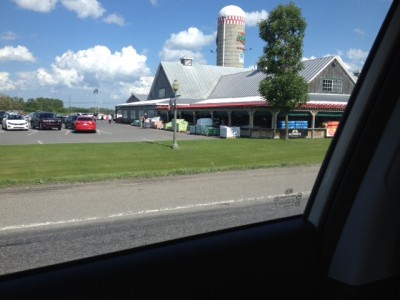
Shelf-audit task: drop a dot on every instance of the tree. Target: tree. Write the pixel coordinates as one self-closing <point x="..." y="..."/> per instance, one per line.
<point x="5" y="103"/>
<point x="32" y="105"/>
<point x="8" y="103"/>
<point x="283" y="88"/>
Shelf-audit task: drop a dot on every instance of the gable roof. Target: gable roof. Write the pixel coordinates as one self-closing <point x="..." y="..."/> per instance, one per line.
<point x="313" y="67"/>
<point x="136" y="98"/>
<point x="196" y="81"/>
<point x="244" y="84"/>
<point x="206" y="85"/>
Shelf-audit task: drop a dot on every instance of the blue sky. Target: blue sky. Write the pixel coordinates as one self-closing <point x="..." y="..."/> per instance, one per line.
<point x="65" y="49"/>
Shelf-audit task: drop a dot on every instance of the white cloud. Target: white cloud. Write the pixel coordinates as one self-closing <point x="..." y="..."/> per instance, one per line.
<point x="192" y="39"/>
<point x="359" y="31"/>
<point x="94" y="67"/>
<point x="186" y="43"/>
<point x="356" y="54"/>
<point x="114" y="19"/>
<point x="9" y="36"/>
<point x="45" y="78"/>
<point x="5" y="83"/>
<point x="141" y="86"/>
<point x="116" y="75"/>
<point x="154" y="2"/>
<point x="346" y="65"/>
<point x="43" y="6"/>
<point x="59" y="77"/>
<point x="19" y="53"/>
<point x="85" y="8"/>
<point x="23" y="81"/>
<point x="19" y="82"/>
<point x="252" y="18"/>
<point x="355" y="59"/>
<point x="307" y="58"/>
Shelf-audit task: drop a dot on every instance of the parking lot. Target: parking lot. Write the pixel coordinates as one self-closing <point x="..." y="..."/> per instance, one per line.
<point x="106" y="133"/>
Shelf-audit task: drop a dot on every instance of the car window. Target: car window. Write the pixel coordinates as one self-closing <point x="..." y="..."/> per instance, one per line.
<point x="14" y="117"/>
<point x="47" y="115"/>
<point x="187" y="144"/>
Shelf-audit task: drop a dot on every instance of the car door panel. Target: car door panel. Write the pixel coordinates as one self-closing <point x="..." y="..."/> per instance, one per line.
<point x="345" y="246"/>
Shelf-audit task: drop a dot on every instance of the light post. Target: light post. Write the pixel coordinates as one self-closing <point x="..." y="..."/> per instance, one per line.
<point x="175" y="87"/>
<point x="96" y="91"/>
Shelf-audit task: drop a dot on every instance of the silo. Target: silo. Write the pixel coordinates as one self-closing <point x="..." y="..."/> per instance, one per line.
<point x="231" y="37"/>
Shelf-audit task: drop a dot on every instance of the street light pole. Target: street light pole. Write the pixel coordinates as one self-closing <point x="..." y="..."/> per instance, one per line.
<point x="175" y="87"/>
<point x="96" y="91"/>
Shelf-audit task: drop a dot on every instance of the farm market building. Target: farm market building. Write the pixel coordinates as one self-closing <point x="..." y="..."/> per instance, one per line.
<point x="230" y="96"/>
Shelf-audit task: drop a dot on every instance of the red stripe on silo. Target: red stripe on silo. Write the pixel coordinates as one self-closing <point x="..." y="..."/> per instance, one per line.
<point x="232" y="20"/>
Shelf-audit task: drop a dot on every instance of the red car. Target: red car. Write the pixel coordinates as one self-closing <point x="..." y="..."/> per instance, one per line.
<point x="85" y="123"/>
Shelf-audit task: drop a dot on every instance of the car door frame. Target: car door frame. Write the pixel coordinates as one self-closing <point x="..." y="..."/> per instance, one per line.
<point x="280" y="259"/>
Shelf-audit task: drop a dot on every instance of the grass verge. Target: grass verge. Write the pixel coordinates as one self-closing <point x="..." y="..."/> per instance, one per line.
<point x="23" y="165"/>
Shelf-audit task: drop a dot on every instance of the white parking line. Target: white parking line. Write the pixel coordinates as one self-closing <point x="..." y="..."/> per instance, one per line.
<point x="101" y="131"/>
<point x="32" y="132"/>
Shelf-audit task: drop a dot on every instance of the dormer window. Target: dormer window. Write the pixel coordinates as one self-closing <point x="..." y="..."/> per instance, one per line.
<point x="332" y="86"/>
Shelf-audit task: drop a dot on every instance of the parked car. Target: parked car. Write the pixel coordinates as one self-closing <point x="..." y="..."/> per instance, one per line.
<point x="45" y="120"/>
<point x="344" y="246"/>
<point x="28" y="117"/>
<point x="14" y="122"/>
<point x="85" y="124"/>
<point x="62" y="118"/>
<point x="69" y="122"/>
<point x="2" y="114"/>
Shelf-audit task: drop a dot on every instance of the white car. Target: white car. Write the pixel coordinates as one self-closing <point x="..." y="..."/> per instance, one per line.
<point x="28" y="117"/>
<point x="14" y="122"/>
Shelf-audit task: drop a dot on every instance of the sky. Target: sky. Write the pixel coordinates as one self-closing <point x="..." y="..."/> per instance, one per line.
<point x="67" y="49"/>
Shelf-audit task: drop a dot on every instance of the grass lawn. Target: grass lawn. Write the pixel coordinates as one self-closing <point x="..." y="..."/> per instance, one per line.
<point x="37" y="164"/>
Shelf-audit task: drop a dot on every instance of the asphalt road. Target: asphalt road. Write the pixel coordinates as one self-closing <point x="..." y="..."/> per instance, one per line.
<point x="106" y="133"/>
<point x="49" y="224"/>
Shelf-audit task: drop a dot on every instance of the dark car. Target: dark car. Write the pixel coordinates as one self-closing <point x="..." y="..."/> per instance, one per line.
<point x="45" y="120"/>
<point x="2" y="114"/>
<point x="69" y="122"/>
<point x="62" y="118"/>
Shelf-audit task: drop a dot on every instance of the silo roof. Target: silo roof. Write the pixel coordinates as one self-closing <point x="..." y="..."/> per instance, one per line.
<point x="232" y="10"/>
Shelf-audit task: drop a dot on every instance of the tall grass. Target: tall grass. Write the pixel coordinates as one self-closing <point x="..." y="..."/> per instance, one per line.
<point x="36" y="164"/>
